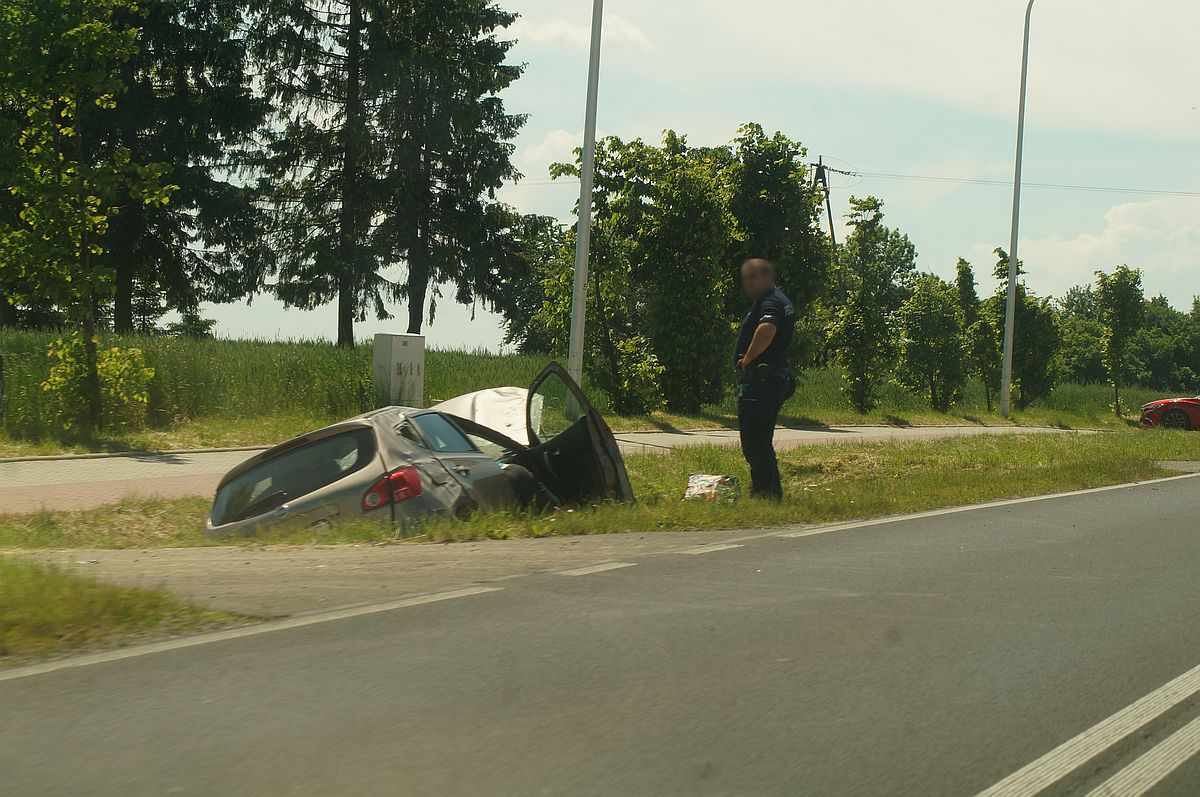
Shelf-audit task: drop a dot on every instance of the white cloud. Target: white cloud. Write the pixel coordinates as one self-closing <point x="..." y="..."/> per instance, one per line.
<point x="1161" y="236"/>
<point x="617" y="31"/>
<point x="536" y="193"/>
<point x="1107" y="64"/>
<point x="556" y="146"/>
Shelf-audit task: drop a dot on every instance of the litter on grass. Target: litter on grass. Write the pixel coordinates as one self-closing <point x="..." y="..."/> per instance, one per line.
<point x="703" y="487"/>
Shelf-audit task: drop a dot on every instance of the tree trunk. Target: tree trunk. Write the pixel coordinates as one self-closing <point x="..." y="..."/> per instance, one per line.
<point x="345" y="315"/>
<point x="8" y="314"/>
<point x="91" y="380"/>
<point x="349" y="245"/>
<point x="420" y="266"/>
<point x="123" y="295"/>
<point x="987" y="394"/>
<point x="91" y="384"/>
<point x="1116" y="399"/>
<point x="418" y="284"/>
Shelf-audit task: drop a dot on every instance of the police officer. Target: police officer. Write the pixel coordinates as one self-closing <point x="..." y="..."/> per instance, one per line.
<point x="766" y="381"/>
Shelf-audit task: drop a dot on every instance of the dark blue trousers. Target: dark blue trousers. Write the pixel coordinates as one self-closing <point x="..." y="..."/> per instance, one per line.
<point x="759" y="402"/>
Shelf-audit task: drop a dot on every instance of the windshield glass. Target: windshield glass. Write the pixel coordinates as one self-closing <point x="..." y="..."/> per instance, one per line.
<point x="291" y="474"/>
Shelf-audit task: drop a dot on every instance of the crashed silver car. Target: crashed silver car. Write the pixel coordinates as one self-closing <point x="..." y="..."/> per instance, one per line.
<point x="494" y="449"/>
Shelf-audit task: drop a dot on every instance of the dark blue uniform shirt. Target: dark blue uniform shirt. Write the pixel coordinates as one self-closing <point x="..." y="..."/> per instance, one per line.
<point x="773" y="308"/>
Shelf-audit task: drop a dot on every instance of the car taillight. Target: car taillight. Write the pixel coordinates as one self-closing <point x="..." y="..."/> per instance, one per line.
<point x="399" y="485"/>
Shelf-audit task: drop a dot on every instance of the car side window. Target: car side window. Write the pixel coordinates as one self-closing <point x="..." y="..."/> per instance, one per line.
<point x="409" y="433"/>
<point x="441" y="435"/>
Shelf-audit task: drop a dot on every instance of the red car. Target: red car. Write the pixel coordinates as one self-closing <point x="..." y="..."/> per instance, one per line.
<point x="1178" y="413"/>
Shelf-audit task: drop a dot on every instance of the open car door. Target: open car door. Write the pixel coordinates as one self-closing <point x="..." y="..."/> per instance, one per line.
<point x="572" y="450"/>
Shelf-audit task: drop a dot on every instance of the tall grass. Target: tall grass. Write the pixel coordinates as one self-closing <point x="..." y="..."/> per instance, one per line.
<point x="246" y="378"/>
<point x="229" y="392"/>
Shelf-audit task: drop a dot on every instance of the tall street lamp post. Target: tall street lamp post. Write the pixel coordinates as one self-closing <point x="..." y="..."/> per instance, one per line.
<point x="1010" y="312"/>
<point x="583" y="233"/>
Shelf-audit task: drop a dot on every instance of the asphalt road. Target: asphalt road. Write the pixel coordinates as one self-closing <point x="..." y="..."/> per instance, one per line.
<point x="29" y="484"/>
<point x="1032" y="647"/>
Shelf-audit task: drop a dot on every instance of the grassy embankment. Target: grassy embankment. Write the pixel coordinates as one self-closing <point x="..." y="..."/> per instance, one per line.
<point x="227" y="393"/>
<point x="823" y="484"/>
<point x="44" y="611"/>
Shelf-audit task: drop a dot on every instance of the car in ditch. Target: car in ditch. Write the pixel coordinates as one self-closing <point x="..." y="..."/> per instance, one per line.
<point x="1176" y="413"/>
<point x="397" y="465"/>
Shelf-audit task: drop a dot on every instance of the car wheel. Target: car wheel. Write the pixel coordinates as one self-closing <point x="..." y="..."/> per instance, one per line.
<point x="1176" y="419"/>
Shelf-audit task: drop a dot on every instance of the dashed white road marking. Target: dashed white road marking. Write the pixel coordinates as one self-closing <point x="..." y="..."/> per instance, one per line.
<point x="710" y="548"/>
<point x="1047" y="770"/>
<point x="299" y="621"/>
<point x="1153" y="767"/>
<point x="600" y="568"/>
<point x="304" y="620"/>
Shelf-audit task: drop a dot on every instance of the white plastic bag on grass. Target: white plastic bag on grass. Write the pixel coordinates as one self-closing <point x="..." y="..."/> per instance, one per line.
<point x="703" y="487"/>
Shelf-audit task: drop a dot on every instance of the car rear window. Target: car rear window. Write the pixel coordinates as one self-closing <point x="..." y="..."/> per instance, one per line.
<point x="291" y="474"/>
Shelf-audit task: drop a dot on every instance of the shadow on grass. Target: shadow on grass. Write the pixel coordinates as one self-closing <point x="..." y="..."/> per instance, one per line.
<point x="75" y="441"/>
<point x="806" y="423"/>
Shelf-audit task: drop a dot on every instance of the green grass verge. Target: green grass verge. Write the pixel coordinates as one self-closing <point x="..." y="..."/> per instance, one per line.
<point x="823" y="484"/>
<point x="45" y="611"/>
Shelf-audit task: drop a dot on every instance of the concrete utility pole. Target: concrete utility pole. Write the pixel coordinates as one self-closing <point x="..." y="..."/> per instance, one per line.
<point x="1010" y="312"/>
<point x="583" y="233"/>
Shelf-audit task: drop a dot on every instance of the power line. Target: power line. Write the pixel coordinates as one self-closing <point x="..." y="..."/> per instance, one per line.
<point x="928" y="178"/>
<point x="1008" y="184"/>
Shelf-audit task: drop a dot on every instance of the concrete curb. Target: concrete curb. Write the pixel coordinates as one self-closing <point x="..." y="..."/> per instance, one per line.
<point x="617" y="434"/>
<point x="111" y="454"/>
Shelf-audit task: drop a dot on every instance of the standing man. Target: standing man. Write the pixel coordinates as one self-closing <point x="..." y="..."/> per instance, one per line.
<point x="766" y="381"/>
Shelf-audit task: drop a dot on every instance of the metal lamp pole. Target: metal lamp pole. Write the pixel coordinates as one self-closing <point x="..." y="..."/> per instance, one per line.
<point x="583" y="233"/>
<point x="1010" y="312"/>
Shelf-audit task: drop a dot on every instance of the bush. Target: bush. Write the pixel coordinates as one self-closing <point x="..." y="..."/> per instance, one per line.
<point x="124" y="385"/>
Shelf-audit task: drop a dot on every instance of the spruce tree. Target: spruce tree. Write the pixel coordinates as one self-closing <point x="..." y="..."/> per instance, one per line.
<point x="321" y="151"/>
<point x="391" y="142"/>
<point x="189" y="106"/>
<point x="448" y="135"/>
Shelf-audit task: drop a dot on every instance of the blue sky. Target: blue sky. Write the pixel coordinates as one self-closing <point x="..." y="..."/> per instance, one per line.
<point x="927" y="88"/>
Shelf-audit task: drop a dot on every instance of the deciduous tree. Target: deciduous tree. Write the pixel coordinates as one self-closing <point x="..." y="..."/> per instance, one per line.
<point x="777" y="210"/>
<point x="878" y="264"/>
<point x="931" y="349"/>
<point x="59" y="60"/>
<point x="1122" y="309"/>
<point x="1037" y="336"/>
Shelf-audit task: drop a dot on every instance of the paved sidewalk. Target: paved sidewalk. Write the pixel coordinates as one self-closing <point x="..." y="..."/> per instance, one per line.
<point x="638" y="442"/>
<point x="27" y="485"/>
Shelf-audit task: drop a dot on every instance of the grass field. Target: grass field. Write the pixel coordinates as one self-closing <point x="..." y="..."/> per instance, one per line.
<point x="212" y="393"/>
<point x="44" y="611"/>
<point x="823" y="483"/>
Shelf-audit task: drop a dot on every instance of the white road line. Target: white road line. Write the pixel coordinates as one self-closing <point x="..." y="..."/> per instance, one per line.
<point x="1154" y="766"/>
<point x="1040" y="774"/>
<point x="710" y="548"/>
<point x="587" y="571"/>
<point x="954" y="510"/>
<point x="286" y="624"/>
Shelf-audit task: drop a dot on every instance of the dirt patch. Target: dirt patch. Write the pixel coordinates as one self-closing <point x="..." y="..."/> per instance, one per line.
<point x="277" y="581"/>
